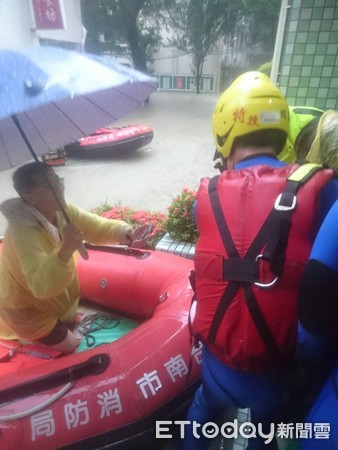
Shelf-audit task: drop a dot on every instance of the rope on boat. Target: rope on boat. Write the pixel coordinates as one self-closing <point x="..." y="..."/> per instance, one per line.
<point x="95" y="322"/>
<point x="37" y="408"/>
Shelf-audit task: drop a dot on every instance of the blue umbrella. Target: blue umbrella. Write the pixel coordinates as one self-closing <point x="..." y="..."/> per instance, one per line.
<point x="50" y="97"/>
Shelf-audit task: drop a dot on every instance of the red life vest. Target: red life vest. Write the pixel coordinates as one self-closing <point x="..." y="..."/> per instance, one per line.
<point x="250" y="326"/>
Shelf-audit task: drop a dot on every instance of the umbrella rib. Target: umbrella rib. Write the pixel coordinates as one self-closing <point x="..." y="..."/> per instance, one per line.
<point x="5" y="148"/>
<point x="127" y="95"/>
<point x="70" y="119"/>
<point x="43" y="113"/>
<point x="15" y="119"/>
<point x="113" y="117"/>
<point x="24" y="134"/>
<point x="122" y="93"/>
<point x="98" y="107"/>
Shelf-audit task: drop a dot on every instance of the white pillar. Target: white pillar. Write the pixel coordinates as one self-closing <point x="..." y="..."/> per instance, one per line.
<point x="279" y="41"/>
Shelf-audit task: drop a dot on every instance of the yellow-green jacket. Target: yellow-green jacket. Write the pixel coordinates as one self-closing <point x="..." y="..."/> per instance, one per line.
<point x="36" y="287"/>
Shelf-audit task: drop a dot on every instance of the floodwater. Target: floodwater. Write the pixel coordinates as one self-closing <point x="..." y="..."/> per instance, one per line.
<point x="179" y="155"/>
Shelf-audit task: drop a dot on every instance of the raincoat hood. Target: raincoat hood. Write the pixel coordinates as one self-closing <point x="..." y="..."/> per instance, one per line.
<point x="19" y="212"/>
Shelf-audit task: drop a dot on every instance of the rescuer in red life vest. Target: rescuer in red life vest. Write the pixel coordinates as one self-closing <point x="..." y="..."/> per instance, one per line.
<point x="257" y="221"/>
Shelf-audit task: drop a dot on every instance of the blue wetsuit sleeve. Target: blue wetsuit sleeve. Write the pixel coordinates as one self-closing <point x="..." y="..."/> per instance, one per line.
<point x="317" y="291"/>
<point x="325" y="247"/>
<point x="329" y="195"/>
<point x="314" y="348"/>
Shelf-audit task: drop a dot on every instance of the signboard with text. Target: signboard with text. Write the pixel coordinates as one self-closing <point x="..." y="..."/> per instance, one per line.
<point x="179" y="82"/>
<point x="48" y="14"/>
<point x="185" y="83"/>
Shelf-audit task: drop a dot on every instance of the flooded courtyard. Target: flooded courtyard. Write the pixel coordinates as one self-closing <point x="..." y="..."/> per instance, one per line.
<point x="179" y="155"/>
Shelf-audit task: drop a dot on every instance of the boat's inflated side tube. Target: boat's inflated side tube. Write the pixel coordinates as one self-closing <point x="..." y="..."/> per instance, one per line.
<point x="135" y="286"/>
<point x="95" y="365"/>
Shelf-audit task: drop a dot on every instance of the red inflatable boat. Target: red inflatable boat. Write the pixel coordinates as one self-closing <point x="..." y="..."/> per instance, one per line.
<point x="111" y="141"/>
<point x="108" y="395"/>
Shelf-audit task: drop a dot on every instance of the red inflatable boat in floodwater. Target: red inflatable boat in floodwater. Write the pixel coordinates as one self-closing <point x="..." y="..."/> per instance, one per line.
<point x="111" y="141"/>
<point x="111" y="393"/>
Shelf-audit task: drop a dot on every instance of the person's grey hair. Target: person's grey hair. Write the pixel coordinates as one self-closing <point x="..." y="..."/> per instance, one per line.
<point x="324" y="149"/>
<point x="29" y="176"/>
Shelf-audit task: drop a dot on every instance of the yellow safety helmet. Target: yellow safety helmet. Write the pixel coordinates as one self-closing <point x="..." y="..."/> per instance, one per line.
<point x="251" y="103"/>
<point x="300" y="116"/>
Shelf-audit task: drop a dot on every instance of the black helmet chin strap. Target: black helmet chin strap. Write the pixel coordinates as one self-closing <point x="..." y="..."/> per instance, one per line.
<point x="219" y="166"/>
<point x="221" y="162"/>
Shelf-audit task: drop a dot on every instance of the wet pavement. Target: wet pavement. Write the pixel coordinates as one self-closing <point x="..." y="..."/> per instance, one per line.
<point x="178" y="156"/>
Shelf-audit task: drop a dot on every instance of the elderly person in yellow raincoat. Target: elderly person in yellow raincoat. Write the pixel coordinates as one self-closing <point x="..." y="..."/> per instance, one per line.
<point x="39" y="290"/>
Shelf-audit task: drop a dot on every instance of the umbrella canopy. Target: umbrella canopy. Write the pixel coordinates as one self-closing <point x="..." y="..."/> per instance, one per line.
<point x="50" y="97"/>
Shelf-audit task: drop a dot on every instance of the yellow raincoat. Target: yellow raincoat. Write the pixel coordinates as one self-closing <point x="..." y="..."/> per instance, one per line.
<point x="37" y="288"/>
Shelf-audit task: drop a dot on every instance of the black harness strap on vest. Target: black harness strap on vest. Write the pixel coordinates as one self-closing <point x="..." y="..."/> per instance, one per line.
<point x="228" y="295"/>
<point x="240" y="270"/>
<point x="233" y="286"/>
<point x="243" y="272"/>
<point x="278" y="227"/>
<point x="260" y="323"/>
<point x="220" y="219"/>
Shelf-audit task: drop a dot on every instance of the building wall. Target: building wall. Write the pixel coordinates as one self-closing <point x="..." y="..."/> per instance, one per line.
<point x="173" y="69"/>
<point x="15" y="20"/>
<point x="174" y="72"/>
<point x="73" y="33"/>
<point x="18" y="28"/>
<point x="308" y="69"/>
